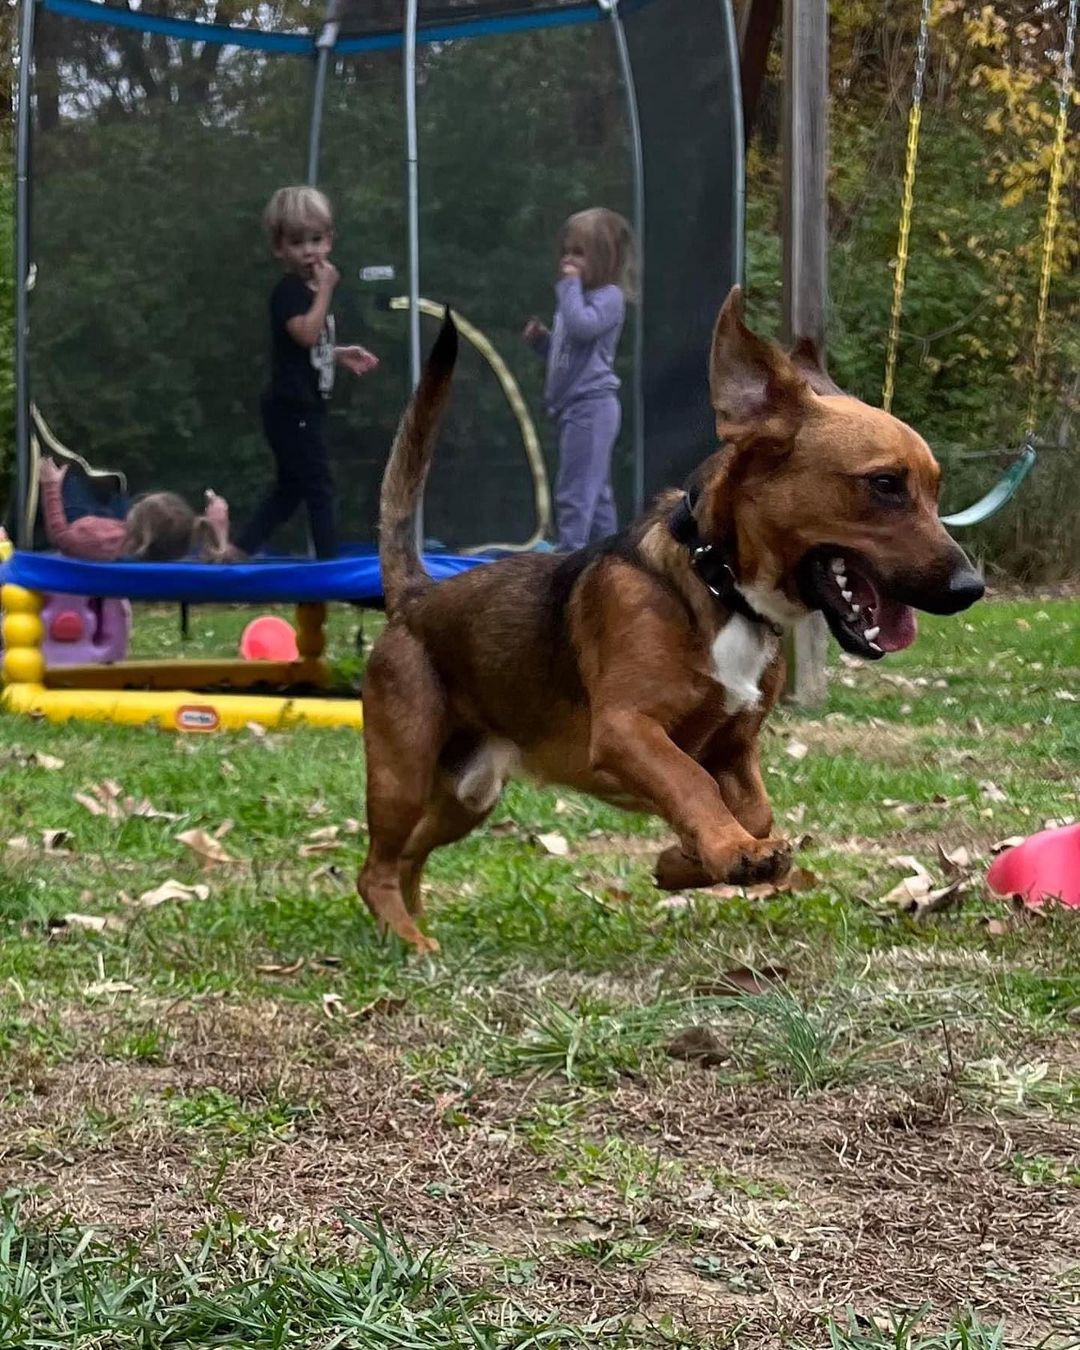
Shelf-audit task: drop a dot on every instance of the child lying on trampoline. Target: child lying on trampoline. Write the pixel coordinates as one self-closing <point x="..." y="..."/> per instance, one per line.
<point x="158" y="527"/>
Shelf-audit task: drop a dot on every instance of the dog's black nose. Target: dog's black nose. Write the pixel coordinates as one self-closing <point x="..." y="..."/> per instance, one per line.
<point x="964" y="588"/>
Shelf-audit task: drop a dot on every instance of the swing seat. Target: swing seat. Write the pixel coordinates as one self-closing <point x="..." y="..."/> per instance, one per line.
<point x="999" y="495"/>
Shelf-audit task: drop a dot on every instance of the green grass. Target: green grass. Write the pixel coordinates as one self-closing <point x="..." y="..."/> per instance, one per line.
<point x="239" y="1288"/>
<point x="202" y="1087"/>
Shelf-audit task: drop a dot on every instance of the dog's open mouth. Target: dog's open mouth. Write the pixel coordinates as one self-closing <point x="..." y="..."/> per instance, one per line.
<point x="861" y="616"/>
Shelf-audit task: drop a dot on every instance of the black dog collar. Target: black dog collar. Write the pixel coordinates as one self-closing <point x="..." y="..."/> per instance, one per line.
<point x="709" y="562"/>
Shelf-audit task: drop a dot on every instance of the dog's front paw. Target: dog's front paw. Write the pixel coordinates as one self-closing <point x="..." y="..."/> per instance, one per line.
<point x="749" y="863"/>
<point x="678" y="871"/>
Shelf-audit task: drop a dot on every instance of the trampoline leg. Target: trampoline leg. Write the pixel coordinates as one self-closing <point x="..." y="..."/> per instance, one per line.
<point x="310" y="629"/>
<point x="24" y="634"/>
<point x="185" y="622"/>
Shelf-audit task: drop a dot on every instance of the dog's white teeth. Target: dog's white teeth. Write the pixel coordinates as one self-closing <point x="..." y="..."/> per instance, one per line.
<point x="871" y="634"/>
<point x="847" y="596"/>
<point x="837" y="565"/>
<point x="841" y="581"/>
<point x="856" y="610"/>
<point x="875" y="647"/>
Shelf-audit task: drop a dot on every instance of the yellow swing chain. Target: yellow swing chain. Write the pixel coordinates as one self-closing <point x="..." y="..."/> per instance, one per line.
<point x="1057" y="175"/>
<point x="907" y="206"/>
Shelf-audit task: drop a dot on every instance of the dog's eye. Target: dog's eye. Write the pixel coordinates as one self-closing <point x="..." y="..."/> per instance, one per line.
<point x="889" y="485"/>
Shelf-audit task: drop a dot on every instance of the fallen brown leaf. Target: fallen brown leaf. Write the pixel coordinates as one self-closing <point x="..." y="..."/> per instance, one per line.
<point x="107" y="799"/>
<point x="208" y="850"/>
<point x="798" y="879"/>
<point x="147" y="811"/>
<point x="109" y="987"/>
<point x="677" y="903"/>
<point x="743" y="980"/>
<point x="380" y="1007"/>
<point x="955" y="861"/>
<point x="555" y="844"/>
<point x="991" y="792"/>
<point x="1013" y="841"/>
<point x="172" y="890"/>
<point x="325" y="832"/>
<point x="95" y="806"/>
<point x="796" y="749"/>
<point x="93" y="923"/>
<point x="271" y="968"/>
<point x="324" y="846"/>
<point x="44" y="761"/>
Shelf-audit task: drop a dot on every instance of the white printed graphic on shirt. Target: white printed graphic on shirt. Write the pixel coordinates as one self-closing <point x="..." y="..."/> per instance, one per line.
<point x="322" y="357"/>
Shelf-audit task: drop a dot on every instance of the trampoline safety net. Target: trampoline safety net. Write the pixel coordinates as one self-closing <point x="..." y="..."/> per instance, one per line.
<point x="155" y="145"/>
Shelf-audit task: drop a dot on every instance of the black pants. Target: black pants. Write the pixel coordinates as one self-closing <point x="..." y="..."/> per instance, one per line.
<point x="303" y="475"/>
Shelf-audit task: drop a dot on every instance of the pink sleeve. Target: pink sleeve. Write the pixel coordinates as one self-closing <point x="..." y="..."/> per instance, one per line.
<point x="91" y="538"/>
<point x="95" y="539"/>
<point x="52" y="508"/>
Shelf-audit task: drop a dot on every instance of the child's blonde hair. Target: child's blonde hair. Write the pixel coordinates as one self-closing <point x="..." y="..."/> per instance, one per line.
<point x="291" y="210"/>
<point x="609" y="246"/>
<point x="162" y="527"/>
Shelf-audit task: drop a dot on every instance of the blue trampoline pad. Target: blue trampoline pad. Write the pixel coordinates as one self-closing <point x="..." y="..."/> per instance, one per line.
<point x="354" y="576"/>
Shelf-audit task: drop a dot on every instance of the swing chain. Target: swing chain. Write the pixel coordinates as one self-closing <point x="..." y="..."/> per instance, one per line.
<point x="907" y="205"/>
<point x="1057" y="175"/>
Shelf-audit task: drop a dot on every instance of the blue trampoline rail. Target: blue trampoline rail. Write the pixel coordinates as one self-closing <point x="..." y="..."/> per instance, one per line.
<point x="304" y="44"/>
<point x="354" y="577"/>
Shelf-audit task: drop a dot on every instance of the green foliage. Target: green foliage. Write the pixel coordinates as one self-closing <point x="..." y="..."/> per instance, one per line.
<point x="965" y="368"/>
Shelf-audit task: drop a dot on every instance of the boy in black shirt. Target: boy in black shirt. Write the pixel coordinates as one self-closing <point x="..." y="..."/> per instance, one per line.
<point x="300" y="227"/>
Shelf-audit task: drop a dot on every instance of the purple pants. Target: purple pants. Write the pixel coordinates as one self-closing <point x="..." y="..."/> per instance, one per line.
<point x="584" y="503"/>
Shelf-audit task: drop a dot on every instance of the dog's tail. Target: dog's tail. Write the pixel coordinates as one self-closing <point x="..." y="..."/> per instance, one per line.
<point x="403" y="574"/>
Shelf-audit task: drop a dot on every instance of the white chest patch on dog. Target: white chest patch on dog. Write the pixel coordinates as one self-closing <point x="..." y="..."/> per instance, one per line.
<point x="741" y="653"/>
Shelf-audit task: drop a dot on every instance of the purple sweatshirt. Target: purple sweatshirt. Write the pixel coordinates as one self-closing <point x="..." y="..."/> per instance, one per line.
<point x="580" y="349"/>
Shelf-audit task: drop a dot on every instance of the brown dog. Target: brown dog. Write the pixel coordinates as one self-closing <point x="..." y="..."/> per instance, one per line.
<point x="641" y="670"/>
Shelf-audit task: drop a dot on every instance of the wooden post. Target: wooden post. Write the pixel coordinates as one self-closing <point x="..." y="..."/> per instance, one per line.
<point x="805" y="227"/>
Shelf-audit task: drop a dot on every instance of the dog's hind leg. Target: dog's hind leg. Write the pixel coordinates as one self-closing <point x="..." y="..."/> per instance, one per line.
<point x="404" y="731"/>
<point x="446" y="820"/>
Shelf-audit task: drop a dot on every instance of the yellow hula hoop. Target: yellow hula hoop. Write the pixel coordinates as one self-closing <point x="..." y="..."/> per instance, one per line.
<point x="513" y="395"/>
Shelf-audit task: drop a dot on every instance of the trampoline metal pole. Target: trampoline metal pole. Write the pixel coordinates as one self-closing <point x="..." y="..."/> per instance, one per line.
<point x="324" y="45"/>
<point x="412" y="189"/>
<point x="637" y="413"/>
<point x="23" y="527"/>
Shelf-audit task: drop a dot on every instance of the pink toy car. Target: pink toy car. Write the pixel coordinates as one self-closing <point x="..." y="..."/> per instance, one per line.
<point x="85" y="631"/>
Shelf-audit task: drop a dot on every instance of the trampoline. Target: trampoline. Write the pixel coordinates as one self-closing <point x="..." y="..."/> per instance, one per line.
<point x="453" y="137"/>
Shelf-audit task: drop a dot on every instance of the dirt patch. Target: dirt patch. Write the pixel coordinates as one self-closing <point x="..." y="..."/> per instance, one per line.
<point x="761" y="1209"/>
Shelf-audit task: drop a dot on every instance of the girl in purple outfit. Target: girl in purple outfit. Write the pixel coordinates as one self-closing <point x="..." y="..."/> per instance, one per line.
<point x="597" y="265"/>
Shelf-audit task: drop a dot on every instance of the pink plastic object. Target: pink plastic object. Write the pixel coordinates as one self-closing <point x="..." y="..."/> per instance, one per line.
<point x="1044" y="867"/>
<point x="269" y="638"/>
<point x="83" y="630"/>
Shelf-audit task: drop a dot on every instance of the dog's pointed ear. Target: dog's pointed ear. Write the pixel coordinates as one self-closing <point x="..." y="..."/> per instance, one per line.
<point x="757" y="392"/>
<point x="808" y="360"/>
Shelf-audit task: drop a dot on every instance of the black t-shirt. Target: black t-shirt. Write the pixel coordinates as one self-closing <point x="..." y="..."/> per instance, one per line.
<point x="299" y="375"/>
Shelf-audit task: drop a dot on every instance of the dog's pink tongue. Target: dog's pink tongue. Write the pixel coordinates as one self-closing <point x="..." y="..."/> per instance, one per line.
<point x="898" y="625"/>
